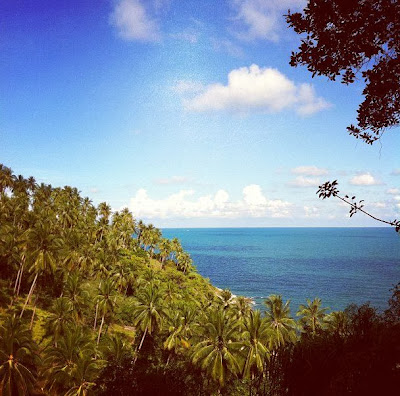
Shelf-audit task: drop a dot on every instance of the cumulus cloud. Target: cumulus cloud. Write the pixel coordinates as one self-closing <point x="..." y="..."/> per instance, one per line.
<point x="301" y="181"/>
<point x="173" y="180"/>
<point x="252" y="88"/>
<point x="309" y="171"/>
<point x="183" y="204"/>
<point x="262" y="19"/>
<point x="393" y="191"/>
<point x="364" y="179"/>
<point x="133" y="21"/>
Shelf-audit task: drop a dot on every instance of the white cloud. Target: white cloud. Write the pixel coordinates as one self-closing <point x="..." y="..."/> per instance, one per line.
<point x="252" y="88"/>
<point x="184" y="205"/>
<point x="379" y="205"/>
<point x="188" y="36"/>
<point x="262" y="19"/>
<point x="309" y="171"/>
<point x="301" y="181"/>
<point x="393" y="191"/>
<point x="364" y="179"/>
<point x="311" y="211"/>
<point x="133" y="21"/>
<point x="227" y="46"/>
<point x="173" y="180"/>
<point x="396" y="172"/>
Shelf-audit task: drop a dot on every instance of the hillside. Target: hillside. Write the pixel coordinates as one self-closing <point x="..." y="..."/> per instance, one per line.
<point x="97" y="302"/>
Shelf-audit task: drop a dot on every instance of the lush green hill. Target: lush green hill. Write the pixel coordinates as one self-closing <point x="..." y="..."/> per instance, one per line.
<point x="95" y="302"/>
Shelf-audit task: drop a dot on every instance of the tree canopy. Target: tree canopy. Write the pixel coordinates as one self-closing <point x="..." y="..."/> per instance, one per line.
<point x="349" y="38"/>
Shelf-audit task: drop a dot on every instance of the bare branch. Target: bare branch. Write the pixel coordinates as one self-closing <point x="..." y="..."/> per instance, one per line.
<point x="329" y="189"/>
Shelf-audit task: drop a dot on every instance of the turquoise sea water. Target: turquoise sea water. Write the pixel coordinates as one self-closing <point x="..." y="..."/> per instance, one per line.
<point x="339" y="265"/>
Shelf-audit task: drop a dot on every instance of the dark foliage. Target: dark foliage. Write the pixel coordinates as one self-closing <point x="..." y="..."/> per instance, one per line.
<point x="363" y="361"/>
<point x="350" y="37"/>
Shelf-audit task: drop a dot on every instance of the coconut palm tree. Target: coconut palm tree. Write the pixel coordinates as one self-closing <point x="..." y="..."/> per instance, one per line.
<point x="241" y="308"/>
<point x="82" y="377"/>
<point x="76" y="294"/>
<point x="282" y="327"/>
<point x="184" y="262"/>
<point x="6" y="178"/>
<point x="255" y="340"/>
<point x="115" y="348"/>
<point x="61" y="362"/>
<point x="165" y="250"/>
<point x="312" y="315"/>
<point x="217" y="350"/>
<point x="181" y="320"/>
<point x="59" y="318"/>
<point x="43" y="247"/>
<point x="106" y="301"/>
<point x="17" y="353"/>
<point x="149" y="312"/>
<point x="176" y="248"/>
<point x="226" y="298"/>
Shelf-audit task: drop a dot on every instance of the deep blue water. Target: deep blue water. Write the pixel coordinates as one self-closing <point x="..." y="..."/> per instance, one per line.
<point x="339" y="265"/>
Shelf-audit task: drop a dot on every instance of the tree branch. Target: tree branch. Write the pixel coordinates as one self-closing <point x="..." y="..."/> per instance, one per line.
<point x="329" y="189"/>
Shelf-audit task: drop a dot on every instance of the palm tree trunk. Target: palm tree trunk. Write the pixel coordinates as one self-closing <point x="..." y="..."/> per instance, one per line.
<point x="17" y="280"/>
<point x="142" y="340"/>
<point x="29" y="294"/>
<point x="140" y="345"/>
<point x="33" y="314"/>
<point x="95" y="317"/>
<point x="101" y="328"/>
<point x="20" y="278"/>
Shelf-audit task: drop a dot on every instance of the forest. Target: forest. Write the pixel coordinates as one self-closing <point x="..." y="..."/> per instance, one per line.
<point x="95" y="302"/>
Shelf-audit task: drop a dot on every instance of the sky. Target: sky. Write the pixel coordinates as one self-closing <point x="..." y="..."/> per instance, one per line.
<point x="186" y="112"/>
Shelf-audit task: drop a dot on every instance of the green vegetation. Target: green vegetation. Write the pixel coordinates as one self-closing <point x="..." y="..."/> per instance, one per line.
<point x="95" y="302"/>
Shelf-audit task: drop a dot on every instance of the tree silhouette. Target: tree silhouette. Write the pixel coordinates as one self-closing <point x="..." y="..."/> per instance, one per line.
<point x="348" y="38"/>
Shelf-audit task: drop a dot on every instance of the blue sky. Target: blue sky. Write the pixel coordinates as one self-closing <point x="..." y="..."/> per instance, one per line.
<point x="187" y="112"/>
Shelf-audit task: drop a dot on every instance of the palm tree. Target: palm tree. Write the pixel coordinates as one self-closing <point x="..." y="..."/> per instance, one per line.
<point x="241" y="308"/>
<point x="181" y="320"/>
<point x="104" y="211"/>
<point x="256" y="336"/>
<point x="60" y="317"/>
<point x="184" y="262"/>
<point x="17" y="351"/>
<point x="43" y="249"/>
<point x="165" y="250"/>
<point x="149" y="311"/>
<point x="6" y="178"/>
<point x="226" y="298"/>
<point x="77" y="296"/>
<point x="106" y="301"/>
<point x="176" y="248"/>
<point x="218" y="348"/>
<point x="83" y="375"/>
<point x="282" y="326"/>
<point x="312" y="315"/>
<point x="337" y="322"/>
<point x="61" y="362"/>
<point x="115" y="348"/>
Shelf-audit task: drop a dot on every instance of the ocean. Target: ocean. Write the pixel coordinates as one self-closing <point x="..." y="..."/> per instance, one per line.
<point x="339" y="265"/>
